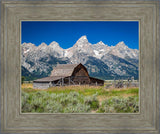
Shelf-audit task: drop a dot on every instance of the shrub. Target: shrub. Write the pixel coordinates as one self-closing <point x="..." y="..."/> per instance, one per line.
<point x="24" y="102"/>
<point x="73" y="102"/>
<point x="42" y="101"/>
<point x="53" y="107"/>
<point x="92" y="101"/>
<point x="120" y="105"/>
<point x="79" y="108"/>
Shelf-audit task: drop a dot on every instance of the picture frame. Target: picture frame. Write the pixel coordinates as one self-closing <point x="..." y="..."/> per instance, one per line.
<point x="146" y="12"/>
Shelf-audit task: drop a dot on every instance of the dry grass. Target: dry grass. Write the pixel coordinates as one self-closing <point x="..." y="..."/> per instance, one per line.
<point x="102" y="93"/>
<point x="74" y="87"/>
<point x="82" y="88"/>
<point x="27" y="85"/>
<point x="119" y="89"/>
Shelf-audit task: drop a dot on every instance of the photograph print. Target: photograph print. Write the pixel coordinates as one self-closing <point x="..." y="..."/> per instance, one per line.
<point x="80" y="67"/>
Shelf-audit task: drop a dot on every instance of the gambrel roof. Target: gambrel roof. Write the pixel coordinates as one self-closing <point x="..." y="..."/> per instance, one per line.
<point x="60" y="71"/>
<point x="64" y="70"/>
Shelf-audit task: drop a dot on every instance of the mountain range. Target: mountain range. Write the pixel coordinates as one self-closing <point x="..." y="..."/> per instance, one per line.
<point x="101" y="60"/>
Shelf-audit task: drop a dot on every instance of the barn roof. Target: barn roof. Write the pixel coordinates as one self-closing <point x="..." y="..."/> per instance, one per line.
<point x="96" y="78"/>
<point x="60" y="71"/>
<point x="48" y="79"/>
<point x="63" y="70"/>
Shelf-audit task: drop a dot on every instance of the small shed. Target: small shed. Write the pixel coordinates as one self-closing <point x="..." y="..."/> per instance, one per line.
<point x="67" y="74"/>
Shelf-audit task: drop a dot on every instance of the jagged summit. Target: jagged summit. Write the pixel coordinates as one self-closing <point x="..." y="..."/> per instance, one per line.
<point x="28" y="44"/>
<point x="100" y="43"/>
<point x="121" y="44"/>
<point x="54" y="44"/>
<point x="82" y="41"/>
<point x="84" y="37"/>
<point x="82" y="45"/>
<point x="42" y="45"/>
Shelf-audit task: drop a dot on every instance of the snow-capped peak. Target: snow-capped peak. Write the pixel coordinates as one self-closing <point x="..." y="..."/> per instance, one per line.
<point x="54" y="44"/>
<point x="121" y="44"/>
<point x="121" y="50"/>
<point x="82" y="40"/>
<point x="100" y="43"/>
<point x="42" y="46"/>
<point x="84" y="37"/>
<point x="28" y="44"/>
<point x="26" y="47"/>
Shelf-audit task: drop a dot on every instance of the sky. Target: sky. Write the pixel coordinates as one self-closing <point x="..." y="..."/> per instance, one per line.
<point x="66" y="33"/>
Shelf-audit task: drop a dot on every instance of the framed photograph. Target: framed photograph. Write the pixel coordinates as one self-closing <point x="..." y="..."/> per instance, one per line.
<point x="80" y="66"/>
<point x="83" y="77"/>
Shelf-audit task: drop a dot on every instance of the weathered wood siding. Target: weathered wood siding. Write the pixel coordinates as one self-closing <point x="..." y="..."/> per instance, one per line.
<point x="80" y="71"/>
<point x="82" y="80"/>
<point x="97" y="82"/>
<point x="40" y="85"/>
<point x="80" y="75"/>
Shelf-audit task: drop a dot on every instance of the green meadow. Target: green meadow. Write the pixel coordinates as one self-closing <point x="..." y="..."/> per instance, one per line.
<point x="79" y="99"/>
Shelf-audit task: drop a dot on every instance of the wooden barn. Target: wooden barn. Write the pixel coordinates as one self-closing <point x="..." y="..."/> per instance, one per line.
<point x="67" y="74"/>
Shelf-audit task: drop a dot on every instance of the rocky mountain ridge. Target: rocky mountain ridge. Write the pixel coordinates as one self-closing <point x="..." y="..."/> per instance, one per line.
<point x="101" y="60"/>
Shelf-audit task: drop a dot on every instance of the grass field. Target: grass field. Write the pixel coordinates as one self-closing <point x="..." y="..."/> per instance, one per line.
<point x="79" y="99"/>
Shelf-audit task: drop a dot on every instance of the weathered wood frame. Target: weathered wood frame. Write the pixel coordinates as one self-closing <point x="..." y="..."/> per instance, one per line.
<point x="146" y="12"/>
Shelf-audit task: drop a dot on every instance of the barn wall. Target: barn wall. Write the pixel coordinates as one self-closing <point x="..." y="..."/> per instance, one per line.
<point x="95" y="81"/>
<point x="80" y="75"/>
<point x="80" y="71"/>
<point x="37" y="85"/>
<point x="81" y="80"/>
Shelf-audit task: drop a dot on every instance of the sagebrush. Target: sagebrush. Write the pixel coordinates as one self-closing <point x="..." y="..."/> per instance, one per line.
<point x="74" y="102"/>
